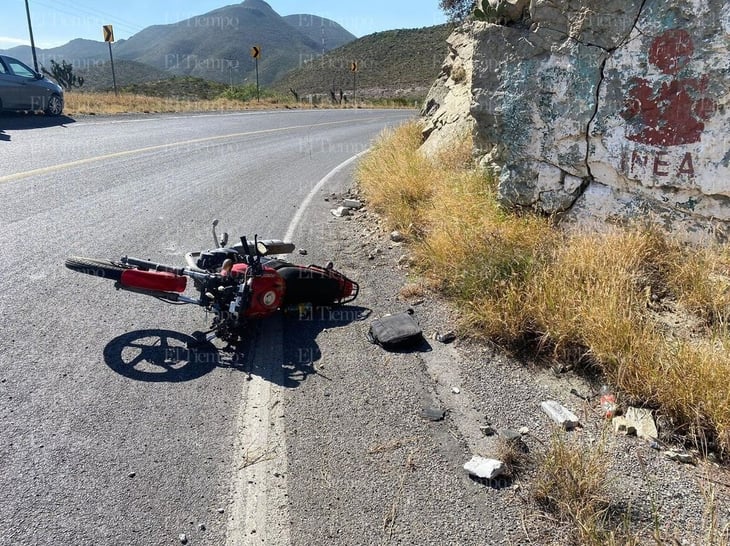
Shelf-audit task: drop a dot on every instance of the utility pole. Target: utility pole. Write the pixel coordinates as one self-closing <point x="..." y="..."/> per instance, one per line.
<point x="32" y="41"/>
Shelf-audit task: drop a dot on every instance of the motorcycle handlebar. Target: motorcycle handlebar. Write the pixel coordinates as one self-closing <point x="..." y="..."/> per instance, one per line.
<point x="180" y="271"/>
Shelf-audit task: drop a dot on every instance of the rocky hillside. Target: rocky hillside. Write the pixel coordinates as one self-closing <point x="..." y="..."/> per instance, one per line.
<point x="395" y="63"/>
<point x="214" y="45"/>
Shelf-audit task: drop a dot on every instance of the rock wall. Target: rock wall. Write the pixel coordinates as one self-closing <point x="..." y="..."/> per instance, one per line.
<point x="597" y="109"/>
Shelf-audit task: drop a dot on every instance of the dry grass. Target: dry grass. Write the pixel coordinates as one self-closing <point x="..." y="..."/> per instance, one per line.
<point x="108" y="103"/>
<point x="716" y="533"/>
<point x="584" y="298"/>
<point x="572" y="485"/>
<point x="127" y="103"/>
<point x="514" y="455"/>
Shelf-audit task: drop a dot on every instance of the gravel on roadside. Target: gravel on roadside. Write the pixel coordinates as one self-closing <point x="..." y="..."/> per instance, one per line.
<point x="368" y="466"/>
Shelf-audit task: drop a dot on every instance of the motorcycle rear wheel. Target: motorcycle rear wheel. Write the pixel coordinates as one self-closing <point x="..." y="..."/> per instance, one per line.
<point x="104" y="269"/>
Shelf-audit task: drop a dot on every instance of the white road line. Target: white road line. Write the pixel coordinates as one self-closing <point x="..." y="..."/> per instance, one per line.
<point x="294" y="224"/>
<point x="259" y="513"/>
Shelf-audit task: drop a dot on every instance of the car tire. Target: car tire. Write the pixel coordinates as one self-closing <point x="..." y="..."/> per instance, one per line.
<point x="54" y="107"/>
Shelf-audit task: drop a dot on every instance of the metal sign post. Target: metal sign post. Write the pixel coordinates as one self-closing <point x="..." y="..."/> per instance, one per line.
<point x="109" y="38"/>
<point x="353" y="68"/>
<point x="256" y="53"/>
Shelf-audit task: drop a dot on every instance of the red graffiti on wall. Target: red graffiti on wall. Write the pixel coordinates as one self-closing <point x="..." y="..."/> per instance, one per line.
<point x="672" y="110"/>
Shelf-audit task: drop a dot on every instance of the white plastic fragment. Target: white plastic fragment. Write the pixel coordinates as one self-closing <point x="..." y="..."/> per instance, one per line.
<point x="340" y="212"/>
<point x="352" y="204"/>
<point x="483" y="468"/>
<point x="562" y="416"/>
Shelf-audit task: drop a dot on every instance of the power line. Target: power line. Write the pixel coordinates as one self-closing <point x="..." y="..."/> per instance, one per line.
<point x="98" y="17"/>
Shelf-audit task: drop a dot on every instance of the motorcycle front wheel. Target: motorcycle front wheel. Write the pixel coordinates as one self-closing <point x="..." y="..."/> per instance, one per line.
<point x="104" y="269"/>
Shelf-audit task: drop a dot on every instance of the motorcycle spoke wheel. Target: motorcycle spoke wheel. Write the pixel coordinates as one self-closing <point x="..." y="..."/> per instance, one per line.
<point x="104" y="269"/>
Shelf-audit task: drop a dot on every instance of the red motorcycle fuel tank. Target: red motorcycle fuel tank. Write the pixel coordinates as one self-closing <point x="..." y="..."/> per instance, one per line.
<point x="267" y="291"/>
<point x="153" y="280"/>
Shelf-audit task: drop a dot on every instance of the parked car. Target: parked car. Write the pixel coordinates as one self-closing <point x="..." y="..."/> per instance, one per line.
<point x="22" y="88"/>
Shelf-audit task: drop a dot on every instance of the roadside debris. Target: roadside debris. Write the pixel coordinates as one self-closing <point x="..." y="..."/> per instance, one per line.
<point x="433" y="414"/>
<point x="340" y="212"/>
<point x="636" y="422"/>
<point x="486" y="469"/>
<point x="448" y="337"/>
<point x="488" y="430"/>
<point x="562" y="416"/>
<point x="643" y="421"/>
<point x="303" y="252"/>
<point x="574" y="392"/>
<point x="680" y="456"/>
<point x="608" y="402"/>
<point x="397" y="237"/>
<point x="183" y="538"/>
<point x="510" y="435"/>
<point x="621" y="425"/>
<point x="352" y="203"/>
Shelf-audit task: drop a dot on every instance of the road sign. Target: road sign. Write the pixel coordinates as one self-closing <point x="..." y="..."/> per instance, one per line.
<point x="108" y="33"/>
<point x="353" y="66"/>
<point x="256" y="52"/>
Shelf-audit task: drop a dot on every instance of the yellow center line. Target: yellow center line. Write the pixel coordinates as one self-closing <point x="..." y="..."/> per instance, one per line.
<point x="116" y="155"/>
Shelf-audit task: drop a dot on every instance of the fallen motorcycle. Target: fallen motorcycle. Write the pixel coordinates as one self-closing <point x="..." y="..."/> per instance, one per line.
<point x="235" y="283"/>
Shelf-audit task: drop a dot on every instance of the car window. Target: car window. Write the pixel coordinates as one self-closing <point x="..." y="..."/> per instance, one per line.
<point x="19" y="69"/>
<point x="3" y="70"/>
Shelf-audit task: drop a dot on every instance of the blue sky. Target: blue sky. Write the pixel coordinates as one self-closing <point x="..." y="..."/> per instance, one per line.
<point x="56" y="22"/>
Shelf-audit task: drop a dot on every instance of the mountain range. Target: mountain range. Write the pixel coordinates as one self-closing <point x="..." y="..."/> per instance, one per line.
<point x="214" y="46"/>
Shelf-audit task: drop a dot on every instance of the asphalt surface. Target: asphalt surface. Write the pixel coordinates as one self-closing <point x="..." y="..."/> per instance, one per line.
<point x="110" y="435"/>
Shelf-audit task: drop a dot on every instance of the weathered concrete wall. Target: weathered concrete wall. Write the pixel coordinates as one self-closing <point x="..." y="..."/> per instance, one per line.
<point x="601" y="108"/>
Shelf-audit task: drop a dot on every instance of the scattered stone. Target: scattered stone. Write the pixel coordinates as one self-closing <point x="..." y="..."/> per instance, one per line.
<point x="183" y="538"/>
<point x="621" y="425"/>
<point x="352" y="204"/>
<point x="433" y="414"/>
<point x="562" y="416"/>
<point x="201" y="527"/>
<point x="221" y="510"/>
<point x="524" y="431"/>
<point x="132" y="474"/>
<point x="643" y="423"/>
<point x="486" y="469"/>
<point x="680" y="456"/>
<point x="510" y="435"/>
<point x="303" y="252"/>
<point x="446" y="338"/>
<point x="404" y="260"/>
<point x="488" y="430"/>
<point x="397" y="237"/>
<point x="371" y="256"/>
<point x="456" y="390"/>
<point x="340" y="212"/>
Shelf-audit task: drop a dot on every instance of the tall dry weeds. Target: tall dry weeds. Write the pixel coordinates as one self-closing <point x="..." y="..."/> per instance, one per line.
<point x="578" y="297"/>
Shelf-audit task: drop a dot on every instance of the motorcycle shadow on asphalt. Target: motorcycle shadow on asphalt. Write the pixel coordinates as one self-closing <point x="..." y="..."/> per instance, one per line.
<point x="158" y="355"/>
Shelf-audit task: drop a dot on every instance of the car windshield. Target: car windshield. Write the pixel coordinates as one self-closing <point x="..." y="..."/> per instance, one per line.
<point x="19" y="69"/>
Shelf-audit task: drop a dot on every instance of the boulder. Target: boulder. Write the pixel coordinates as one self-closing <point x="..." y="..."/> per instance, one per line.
<point x="597" y="109"/>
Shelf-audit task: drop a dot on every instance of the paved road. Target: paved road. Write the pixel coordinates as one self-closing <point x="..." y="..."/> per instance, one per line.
<point x="94" y="450"/>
